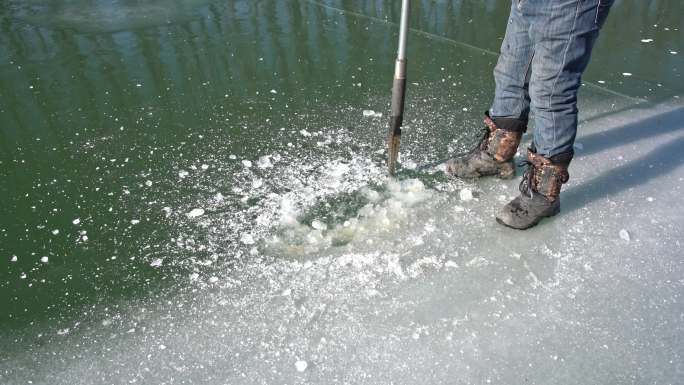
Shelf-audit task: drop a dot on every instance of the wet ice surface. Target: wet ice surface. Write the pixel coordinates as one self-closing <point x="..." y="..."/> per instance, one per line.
<point x="325" y="271"/>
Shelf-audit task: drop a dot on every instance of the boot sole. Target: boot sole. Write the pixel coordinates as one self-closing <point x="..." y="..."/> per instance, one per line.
<point x="534" y="223"/>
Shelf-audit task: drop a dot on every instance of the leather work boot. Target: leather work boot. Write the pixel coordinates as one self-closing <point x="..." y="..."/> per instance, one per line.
<point x="493" y="156"/>
<point x="539" y="191"/>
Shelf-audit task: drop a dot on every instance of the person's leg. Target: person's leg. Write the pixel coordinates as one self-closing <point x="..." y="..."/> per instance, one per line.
<point x="563" y="33"/>
<point x="512" y="71"/>
<point x="506" y="120"/>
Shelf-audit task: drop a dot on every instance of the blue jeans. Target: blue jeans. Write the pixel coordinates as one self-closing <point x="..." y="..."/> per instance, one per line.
<point x="544" y="53"/>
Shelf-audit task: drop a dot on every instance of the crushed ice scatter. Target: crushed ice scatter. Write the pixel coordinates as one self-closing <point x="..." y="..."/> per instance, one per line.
<point x="246" y="163"/>
<point x="156" y="262"/>
<point x="256" y="183"/>
<point x="148" y="183"/>
<point x="247" y="239"/>
<point x="372" y="114"/>
<point x="301" y="365"/>
<point x="646" y="40"/>
<point x="55" y="232"/>
<point x="213" y="279"/>
<point x="76" y="221"/>
<point x="135" y="221"/>
<point x="14" y="258"/>
<point x="627" y="74"/>
<point x="465" y="194"/>
<point x="624" y="235"/>
<point x="194" y="213"/>
<point x="193" y="276"/>
<point x="44" y="259"/>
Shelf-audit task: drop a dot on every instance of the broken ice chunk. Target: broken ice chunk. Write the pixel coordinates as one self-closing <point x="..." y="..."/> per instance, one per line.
<point x="247" y="239"/>
<point x="318" y="225"/>
<point x="76" y="221"/>
<point x="301" y="365"/>
<point x="624" y="235"/>
<point x="372" y="114"/>
<point x="264" y="162"/>
<point x="156" y="262"/>
<point x="44" y="259"/>
<point x="194" y="213"/>
<point x="466" y="194"/>
<point x="247" y="163"/>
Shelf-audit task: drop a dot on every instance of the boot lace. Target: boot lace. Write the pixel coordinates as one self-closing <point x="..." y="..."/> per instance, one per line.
<point x="525" y="186"/>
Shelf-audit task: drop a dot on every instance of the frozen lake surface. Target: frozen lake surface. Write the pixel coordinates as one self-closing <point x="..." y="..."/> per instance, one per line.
<point x="172" y="225"/>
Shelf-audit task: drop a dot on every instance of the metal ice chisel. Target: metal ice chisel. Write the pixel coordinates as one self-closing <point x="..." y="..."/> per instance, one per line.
<point x="398" y="91"/>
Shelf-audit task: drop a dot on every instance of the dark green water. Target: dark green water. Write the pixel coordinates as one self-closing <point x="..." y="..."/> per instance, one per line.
<point x="104" y="106"/>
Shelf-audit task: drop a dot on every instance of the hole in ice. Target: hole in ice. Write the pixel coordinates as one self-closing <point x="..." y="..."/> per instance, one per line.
<point x="342" y="219"/>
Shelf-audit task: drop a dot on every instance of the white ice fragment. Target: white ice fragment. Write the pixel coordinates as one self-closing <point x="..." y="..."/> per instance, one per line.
<point x="451" y="264"/>
<point x="156" y="262"/>
<point x="304" y="132"/>
<point x="627" y="74"/>
<point x="162" y="347"/>
<point x="55" y="232"/>
<point x="246" y="163"/>
<point x="194" y="276"/>
<point x="410" y="165"/>
<point x="213" y="279"/>
<point x="650" y="199"/>
<point x="264" y="162"/>
<point x="624" y="235"/>
<point x="182" y="174"/>
<point x="274" y="92"/>
<point x="14" y="258"/>
<point x="372" y="114"/>
<point x="135" y="221"/>
<point x="232" y="157"/>
<point x="301" y="365"/>
<point x="466" y="194"/>
<point x="23" y="276"/>
<point x="286" y="292"/>
<point x="62" y="332"/>
<point x="247" y="239"/>
<point x="167" y="211"/>
<point x="76" y="221"/>
<point x="148" y="183"/>
<point x="673" y="52"/>
<point x="44" y="259"/>
<point x="646" y="40"/>
<point x="256" y="183"/>
<point x="204" y="167"/>
<point x="602" y="82"/>
<point x="194" y="213"/>
<point x="318" y="225"/>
